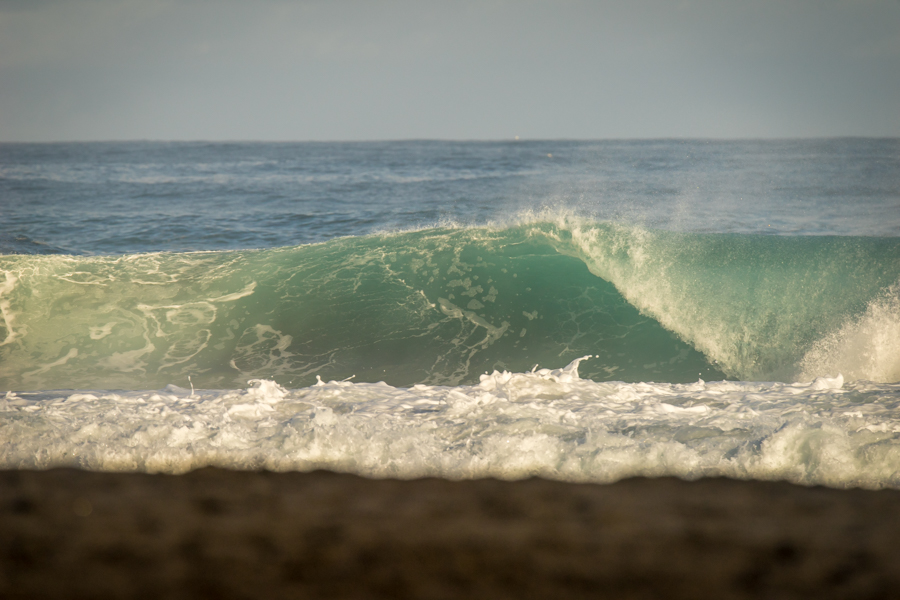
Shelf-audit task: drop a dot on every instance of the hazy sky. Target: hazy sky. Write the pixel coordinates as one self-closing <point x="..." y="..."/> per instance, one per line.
<point x="485" y="69"/>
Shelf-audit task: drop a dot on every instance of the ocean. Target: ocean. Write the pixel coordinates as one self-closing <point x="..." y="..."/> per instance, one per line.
<point x="578" y="310"/>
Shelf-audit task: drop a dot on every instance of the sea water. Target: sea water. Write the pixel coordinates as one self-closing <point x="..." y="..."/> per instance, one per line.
<point x="583" y="311"/>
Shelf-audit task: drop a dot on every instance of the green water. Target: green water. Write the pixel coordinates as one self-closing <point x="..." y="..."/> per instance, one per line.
<point x="437" y="306"/>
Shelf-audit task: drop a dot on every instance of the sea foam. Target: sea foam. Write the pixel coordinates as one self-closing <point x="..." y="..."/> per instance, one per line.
<point x="550" y="423"/>
<point x="865" y="347"/>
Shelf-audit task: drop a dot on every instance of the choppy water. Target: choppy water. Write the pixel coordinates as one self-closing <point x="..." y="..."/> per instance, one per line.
<point x="167" y="306"/>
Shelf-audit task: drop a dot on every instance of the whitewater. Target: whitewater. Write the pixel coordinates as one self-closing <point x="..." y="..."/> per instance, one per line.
<point x="409" y="309"/>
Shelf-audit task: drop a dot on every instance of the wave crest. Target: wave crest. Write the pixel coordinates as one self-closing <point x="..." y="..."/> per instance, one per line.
<point x="442" y="306"/>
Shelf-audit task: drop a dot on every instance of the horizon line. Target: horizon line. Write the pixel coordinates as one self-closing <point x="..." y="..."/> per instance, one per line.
<point x="514" y="139"/>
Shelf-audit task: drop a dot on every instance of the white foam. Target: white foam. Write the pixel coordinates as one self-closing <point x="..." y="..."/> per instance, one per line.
<point x="867" y="347"/>
<point x="6" y="313"/>
<point x="548" y="422"/>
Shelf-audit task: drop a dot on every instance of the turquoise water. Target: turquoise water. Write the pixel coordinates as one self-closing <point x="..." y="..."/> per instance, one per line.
<point x="420" y="308"/>
<point x="445" y="305"/>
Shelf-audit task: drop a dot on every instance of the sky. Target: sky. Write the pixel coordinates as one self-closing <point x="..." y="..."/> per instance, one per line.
<point x="440" y="69"/>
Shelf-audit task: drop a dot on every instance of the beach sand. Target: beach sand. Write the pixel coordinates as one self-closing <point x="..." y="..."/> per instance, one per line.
<point x="214" y="533"/>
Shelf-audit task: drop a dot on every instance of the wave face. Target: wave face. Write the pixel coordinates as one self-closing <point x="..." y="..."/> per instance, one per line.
<point x="760" y="307"/>
<point x="442" y="306"/>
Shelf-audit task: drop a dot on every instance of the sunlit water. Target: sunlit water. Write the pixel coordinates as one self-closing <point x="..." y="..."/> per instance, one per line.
<point x="422" y="308"/>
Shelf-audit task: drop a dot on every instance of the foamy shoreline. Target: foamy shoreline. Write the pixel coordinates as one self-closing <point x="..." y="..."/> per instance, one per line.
<point x="237" y="534"/>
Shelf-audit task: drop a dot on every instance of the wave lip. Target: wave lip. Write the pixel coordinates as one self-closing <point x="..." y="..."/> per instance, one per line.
<point x="754" y="305"/>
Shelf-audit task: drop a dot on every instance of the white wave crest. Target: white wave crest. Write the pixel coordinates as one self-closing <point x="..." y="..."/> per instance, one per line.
<point x="866" y="347"/>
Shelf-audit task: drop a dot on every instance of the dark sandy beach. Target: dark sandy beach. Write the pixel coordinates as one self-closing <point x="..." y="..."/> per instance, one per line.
<point x="221" y="534"/>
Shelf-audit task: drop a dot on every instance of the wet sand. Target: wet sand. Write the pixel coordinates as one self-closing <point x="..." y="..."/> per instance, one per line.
<point x="214" y="533"/>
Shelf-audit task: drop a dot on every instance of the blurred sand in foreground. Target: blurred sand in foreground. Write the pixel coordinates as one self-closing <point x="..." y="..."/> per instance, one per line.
<point x="214" y="533"/>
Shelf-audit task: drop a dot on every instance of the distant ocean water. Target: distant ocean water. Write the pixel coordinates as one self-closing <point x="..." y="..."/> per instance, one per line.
<point x="578" y="310"/>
